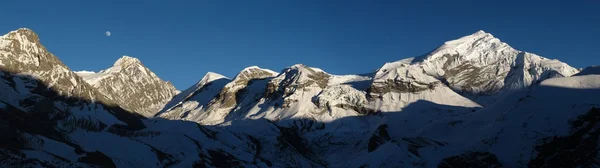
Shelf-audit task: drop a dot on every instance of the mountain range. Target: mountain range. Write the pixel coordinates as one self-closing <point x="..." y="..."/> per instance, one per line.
<point x="472" y="102"/>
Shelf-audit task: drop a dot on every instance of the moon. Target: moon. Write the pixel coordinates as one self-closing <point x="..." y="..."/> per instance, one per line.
<point x="107" y="33"/>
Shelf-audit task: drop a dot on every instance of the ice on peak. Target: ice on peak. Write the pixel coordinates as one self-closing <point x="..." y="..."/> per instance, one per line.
<point x="211" y="76"/>
<point x="85" y="72"/>
<point x="480" y="32"/>
<point x="91" y="77"/>
<point x="251" y="67"/>
<point x="298" y="66"/>
<point x="477" y="36"/>
<point x="474" y="46"/>
<point x="254" y="72"/>
<point x="24" y="31"/>
<point x="397" y="64"/>
<point x="257" y="68"/>
<point x="302" y="67"/>
<point x="127" y="60"/>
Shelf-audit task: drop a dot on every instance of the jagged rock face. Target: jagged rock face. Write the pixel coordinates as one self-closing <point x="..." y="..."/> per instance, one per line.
<point x="132" y="86"/>
<point x="252" y="73"/>
<point x="21" y="52"/>
<point x="401" y="78"/>
<point x="403" y="83"/>
<point x="343" y="96"/>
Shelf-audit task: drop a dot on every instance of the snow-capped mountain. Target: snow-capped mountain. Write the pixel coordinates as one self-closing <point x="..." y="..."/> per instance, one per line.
<point x="46" y="109"/>
<point x="132" y="86"/>
<point x="481" y="64"/>
<point x="22" y="53"/>
<point x="416" y="112"/>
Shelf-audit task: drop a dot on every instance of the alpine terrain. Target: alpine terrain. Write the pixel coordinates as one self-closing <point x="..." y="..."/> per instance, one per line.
<point x="472" y="102"/>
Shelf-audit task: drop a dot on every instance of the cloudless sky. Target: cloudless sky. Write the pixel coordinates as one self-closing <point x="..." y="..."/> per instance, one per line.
<point x="182" y="40"/>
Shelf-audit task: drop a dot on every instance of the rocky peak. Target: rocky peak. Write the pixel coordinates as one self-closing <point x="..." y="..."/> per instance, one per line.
<point x="253" y="72"/>
<point x="209" y="77"/>
<point x="196" y="96"/>
<point x="21" y="52"/>
<point x="23" y="35"/>
<point x="230" y="94"/>
<point x="298" y="66"/>
<point x="302" y="76"/>
<point x="22" y="42"/>
<point x="127" y="61"/>
<point x="212" y="76"/>
<point x="133" y="86"/>
<point x="482" y="64"/>
<point x="296" y="79"/>
<point x="478" y="47"/>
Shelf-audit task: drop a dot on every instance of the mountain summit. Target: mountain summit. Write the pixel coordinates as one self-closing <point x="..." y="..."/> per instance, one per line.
<point x="21" y="52"/>
<point x="133" y="86"/>
<point x="127" y="60"/>
<point x="481" y="64"/>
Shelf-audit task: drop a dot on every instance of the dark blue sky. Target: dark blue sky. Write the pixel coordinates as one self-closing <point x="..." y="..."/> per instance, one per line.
<point x="182" y="40"/>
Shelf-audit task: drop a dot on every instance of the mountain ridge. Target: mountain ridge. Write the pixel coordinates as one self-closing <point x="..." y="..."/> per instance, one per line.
<point x="482" y="66"/>
<point x="408" y="113"/>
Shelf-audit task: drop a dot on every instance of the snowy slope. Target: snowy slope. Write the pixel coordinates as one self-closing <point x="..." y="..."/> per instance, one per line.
<point x="132" y="86"/>
<point x="195" y="98"/>
<point x="208" y="79"/>
<point x="520" y="129"/>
